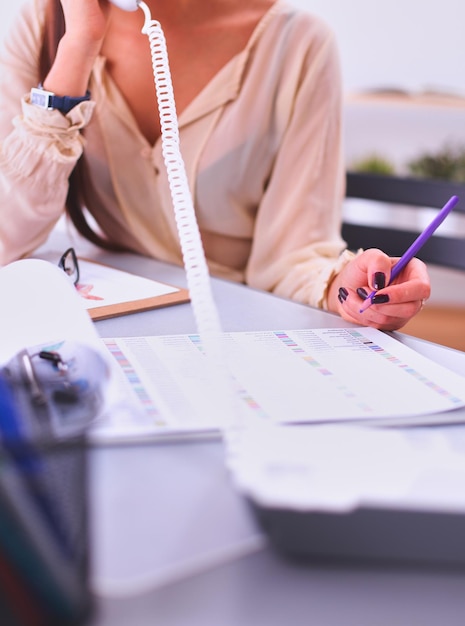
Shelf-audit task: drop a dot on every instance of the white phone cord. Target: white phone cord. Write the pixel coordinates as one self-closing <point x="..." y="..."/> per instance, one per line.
<point x="196" y="268"/>
<point x="191" y="244"/>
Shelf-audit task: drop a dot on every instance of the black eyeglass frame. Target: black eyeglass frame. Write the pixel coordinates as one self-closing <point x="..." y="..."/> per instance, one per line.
<point x="63" y="263"/>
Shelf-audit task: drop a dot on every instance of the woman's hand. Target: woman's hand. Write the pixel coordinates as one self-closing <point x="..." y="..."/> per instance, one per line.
<point x="86" y="23"/>
<point x="393" y="306"/>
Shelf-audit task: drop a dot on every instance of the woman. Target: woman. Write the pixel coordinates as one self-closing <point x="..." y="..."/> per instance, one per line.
<point x="257" y="88"/>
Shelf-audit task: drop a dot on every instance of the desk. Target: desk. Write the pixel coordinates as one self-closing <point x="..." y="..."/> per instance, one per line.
<point x="158" y="508"/>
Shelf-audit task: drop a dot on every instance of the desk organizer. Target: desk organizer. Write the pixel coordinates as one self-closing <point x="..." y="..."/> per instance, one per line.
<point x="44" y="545"/>
<point x="43" y="535"/>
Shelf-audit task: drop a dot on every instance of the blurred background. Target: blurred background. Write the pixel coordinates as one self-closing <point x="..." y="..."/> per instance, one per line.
<point x="412" y="44"/>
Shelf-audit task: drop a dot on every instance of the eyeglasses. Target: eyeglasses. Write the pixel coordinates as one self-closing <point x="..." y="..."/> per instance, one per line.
<point x="69" y="264"/>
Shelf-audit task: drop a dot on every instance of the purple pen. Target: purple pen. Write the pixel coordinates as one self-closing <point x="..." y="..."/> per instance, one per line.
<point x="416" y="245"/>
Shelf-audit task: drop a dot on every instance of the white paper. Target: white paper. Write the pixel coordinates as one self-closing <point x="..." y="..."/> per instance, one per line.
<point x="40" y="304"/>
<point x="339" y="468"/>
<point x="299" y="376"/>
<point x="100" y="285"/>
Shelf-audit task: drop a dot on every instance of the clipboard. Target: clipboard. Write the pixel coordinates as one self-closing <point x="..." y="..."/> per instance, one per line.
<point x="109" y="292"/>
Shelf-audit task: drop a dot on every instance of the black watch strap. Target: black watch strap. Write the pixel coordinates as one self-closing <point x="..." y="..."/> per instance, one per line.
<point x="48" y="100"/>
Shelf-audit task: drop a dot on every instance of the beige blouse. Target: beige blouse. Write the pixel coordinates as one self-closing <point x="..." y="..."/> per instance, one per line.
<point x="261" y="145"/>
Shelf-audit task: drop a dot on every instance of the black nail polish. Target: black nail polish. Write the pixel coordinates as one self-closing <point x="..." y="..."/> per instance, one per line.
<point x="362" y="293"/>
<point x="379" y="280"/>
<point x="343" y="293"/>
<point x="382" y="298"/>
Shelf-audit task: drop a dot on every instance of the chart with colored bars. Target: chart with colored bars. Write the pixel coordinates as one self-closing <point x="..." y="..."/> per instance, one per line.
<point x="287" y="376"/>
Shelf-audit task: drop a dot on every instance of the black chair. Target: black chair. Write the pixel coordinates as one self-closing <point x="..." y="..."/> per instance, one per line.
<point x="399" y="193"/>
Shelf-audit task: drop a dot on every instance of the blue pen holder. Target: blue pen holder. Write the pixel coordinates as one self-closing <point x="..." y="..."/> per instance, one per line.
<point x="45" y="409"/>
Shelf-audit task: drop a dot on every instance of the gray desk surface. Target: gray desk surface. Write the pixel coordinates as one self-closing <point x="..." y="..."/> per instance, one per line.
<point x="174" y="544"/>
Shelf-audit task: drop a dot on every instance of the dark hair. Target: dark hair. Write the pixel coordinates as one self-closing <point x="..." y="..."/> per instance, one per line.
<point x="81" y="192"/>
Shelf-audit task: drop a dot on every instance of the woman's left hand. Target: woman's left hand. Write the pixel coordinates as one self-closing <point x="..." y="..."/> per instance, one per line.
<point x="393" y="305"/>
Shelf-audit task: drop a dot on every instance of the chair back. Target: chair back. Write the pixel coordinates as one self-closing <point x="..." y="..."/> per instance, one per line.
<point x="389" y="235"/>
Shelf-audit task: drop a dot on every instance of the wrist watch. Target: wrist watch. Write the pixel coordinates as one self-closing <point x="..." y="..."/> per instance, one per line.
<point x="48" y="100"/>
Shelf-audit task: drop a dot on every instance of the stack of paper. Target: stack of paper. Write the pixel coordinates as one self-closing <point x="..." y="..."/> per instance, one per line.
<point x="339" y="468"/>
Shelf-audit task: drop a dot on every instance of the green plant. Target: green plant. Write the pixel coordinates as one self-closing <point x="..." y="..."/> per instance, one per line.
<point x="447" y="164"/>
<point x="374" y="164"/>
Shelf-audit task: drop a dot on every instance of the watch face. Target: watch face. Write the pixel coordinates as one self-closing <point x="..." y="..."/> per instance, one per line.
<point x="40" y="98"/>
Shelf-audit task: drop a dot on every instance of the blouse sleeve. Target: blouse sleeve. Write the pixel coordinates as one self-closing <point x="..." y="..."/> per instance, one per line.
<point x="297" y="245"/>
<point x="38" y="148"/>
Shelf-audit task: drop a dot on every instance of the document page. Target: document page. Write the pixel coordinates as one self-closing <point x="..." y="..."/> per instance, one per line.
<point x="40" y="305"/>
<point x="106" y="291"/>
<point x="337" y="468"/>
<point x="282" y="376"/>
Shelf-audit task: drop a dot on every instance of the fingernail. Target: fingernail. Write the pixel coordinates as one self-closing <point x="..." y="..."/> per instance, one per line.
<point x="362" y="293"/>
<point x="342" y="295"/>
<point x="382" y="298"/>
<point x="379" y="280"/>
